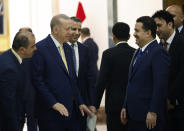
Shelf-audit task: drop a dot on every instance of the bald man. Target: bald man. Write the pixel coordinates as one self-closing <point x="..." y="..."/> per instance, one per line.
<point x="12" y="80"/>
<point x="29" y="93"/>
<point x="177" y="12"/>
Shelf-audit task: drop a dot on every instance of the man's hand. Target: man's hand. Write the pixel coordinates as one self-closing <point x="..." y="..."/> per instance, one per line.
<point x="61" y="109"/>
<point x="83" y="108"/>
<point x="92" y="109"/>
<point x="123" y="116"/>
<point x="151" y="120"/>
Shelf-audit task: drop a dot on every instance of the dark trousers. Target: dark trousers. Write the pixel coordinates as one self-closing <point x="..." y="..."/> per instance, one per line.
<point x="141" y="126"/>
<point x="28" y="116"/>
<point x="29" y="112"/>
<point x="61" y="125"/>
<point x="0" y="122"/>
<point x="175" y="120"/>
<point x="83" y="122"/>
<point x="114" y="123"/>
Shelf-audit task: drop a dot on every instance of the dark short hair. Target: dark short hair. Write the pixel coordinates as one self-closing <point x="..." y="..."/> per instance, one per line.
<point x="148" y="24"/>
<point x="76" y="19"/>
<point x="121" y="31"/>
<point x="165" y="15"/>
<point x="183" y="8"/>
<point x="21" y="40"/>
<point x="85" y="31"/>
<point x="26" y="29"/>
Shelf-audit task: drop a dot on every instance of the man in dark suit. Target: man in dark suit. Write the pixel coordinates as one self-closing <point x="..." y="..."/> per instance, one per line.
<point x="178" y="15"/>
<point x="91" y="44"/>
<point x="174" y="44"/>
<point x="146" y="97"/>
<point x="54" y="77"/>
<point x="12" y="80"/>
<point x="113" y="76"/>
<point x="29" y="93"/>
<point x="85" y="69"/>
<point x="29" y="97"/>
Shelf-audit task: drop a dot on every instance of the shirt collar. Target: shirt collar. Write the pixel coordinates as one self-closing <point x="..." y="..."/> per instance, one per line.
<point x="144" y="47"/>
<point x="85" y="39"/>
<point x="170" y="39"/>
<point x="55" y="41"/>
<point x="16" y="55"/>
<point x="121" y="42"/>
<point x="180" y="28"/>
<point x="75" y="44"/>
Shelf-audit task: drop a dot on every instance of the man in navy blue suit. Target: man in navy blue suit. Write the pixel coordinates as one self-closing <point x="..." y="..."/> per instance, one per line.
<point x="92" y="46"/>
<point x="145" y="104"/>
<point x="178" y="15"/>
<point x="173" y="42"/>
<point x="85" y="69"/>
<point x="55" y="80"/>
<point x="29" y="93"/>
<point x="12" y="80"/>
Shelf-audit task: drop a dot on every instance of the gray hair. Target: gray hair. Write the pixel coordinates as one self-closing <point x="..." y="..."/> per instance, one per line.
<point x="56" y="20"/>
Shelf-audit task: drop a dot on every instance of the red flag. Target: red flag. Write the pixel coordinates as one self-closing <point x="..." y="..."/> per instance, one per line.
<point x="80" y="12"/>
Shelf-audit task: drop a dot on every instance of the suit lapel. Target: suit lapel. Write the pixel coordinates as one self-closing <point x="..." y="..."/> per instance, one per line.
<point x="80" y="57"/>
<point x="55" y="53"/>
<point x="68" y="55"/>
<point x="141" y="59"/>
<point x="18" y="67"/>
<point x="173" y="43"/>
<point x="132" y="63"/>
<point x="182" y="31"/>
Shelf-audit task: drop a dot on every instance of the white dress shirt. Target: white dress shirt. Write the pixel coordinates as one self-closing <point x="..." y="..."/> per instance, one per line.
<point x="76" y="55"/>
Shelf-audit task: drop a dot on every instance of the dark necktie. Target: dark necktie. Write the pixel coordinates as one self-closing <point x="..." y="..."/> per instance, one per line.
<point x="138" y="56"/>
<point x="74" y="57"/>
<point x="165" y="46"/>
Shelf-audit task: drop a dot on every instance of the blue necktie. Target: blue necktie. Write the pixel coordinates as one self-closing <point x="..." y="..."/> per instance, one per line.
<point x="138" y="56"/>
<point x="74" y="57"/>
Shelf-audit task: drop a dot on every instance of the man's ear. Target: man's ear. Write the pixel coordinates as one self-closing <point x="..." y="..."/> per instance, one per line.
<point x="113" y="37"/>
<point x="21" y="50"/>
<point x="148" y="32"/>
<point x="170" y="25"/>
<point x="128" y="36"/>
<point x="55" y="30"/>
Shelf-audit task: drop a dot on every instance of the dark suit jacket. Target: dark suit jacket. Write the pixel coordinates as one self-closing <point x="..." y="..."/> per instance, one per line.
<point x="113" y="77"/>
<point x="176" y="82"/>
<point x="93" y="50"/>
<point x="86" y="75"/>
<point x="11" y="92"/>
<point x="29" y="90"/>
<point x="52" y="81"/>
<point x="147" y="84"/>
<point x="182" y="32"/>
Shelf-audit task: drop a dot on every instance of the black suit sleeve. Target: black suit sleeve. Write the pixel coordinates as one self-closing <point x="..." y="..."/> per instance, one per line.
<point x="177" y="90"/>
<point x="92" y="74"/>
<point x="103" y="79"/>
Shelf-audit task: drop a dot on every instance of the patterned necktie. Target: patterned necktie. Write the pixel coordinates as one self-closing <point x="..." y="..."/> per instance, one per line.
<point x="165" y="46"/>
<point x="74" y="57"/>
<point x="63" y="56"/>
